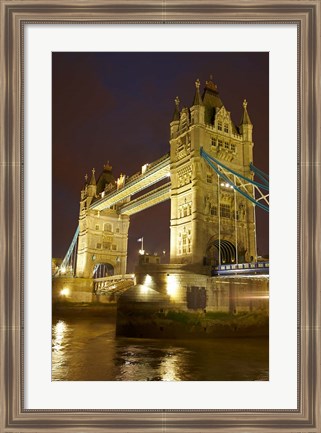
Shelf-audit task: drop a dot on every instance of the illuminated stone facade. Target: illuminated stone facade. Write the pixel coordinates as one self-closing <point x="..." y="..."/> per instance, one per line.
<point x="210" y="222"/>
<point x="103" y="235"/>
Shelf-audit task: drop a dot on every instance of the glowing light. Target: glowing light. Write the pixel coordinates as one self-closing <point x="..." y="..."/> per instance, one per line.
<point x="65" y="291"/>
<point x="59" y="331"/>
<point x="172" y="286"/>
<point x="63" y="270"/>
<point x="169" y="368"/>
<point x="144" y="289"/>
<point x="227" y="185"/>
<point x="148" y="280"/>
<point x="141" y="252"/>
<point x="144" y="168"/>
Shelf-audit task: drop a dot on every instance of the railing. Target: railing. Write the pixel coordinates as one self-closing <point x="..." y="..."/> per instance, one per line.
<point x="151" y="168"/>
<point x="241" y="268"/>
<point x="113" y="284"/>
<point x="153" y="194"/>
<point x="112" y="278"/>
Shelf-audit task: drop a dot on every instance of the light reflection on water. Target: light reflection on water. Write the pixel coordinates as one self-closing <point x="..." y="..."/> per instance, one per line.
<point x="86" y="349"/>
<point x="58" y="335"/>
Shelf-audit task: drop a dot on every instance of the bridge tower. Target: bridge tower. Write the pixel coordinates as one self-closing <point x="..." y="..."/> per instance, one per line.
<point x="103" y="235"/>
<point x="210" y="222"/>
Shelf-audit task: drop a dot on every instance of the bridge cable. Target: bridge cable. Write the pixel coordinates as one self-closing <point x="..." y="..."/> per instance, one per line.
<point x="253" y="182"/>
<point x="263" y="176"/>
<point x="69" y="252"/>
<point x="227" y="180"/>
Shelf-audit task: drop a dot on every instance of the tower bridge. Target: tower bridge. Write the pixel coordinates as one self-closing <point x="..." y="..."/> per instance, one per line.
<point x="208" y="176"/>
<point x="125" y="188"/>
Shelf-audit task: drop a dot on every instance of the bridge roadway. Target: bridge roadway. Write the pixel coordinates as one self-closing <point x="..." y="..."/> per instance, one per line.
<point x="147" y="200"/>
<point x="155" y="172"/>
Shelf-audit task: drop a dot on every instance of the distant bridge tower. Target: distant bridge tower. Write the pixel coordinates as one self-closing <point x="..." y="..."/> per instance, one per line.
<point x="210" y="222"/>
<point x="103" y="234"/>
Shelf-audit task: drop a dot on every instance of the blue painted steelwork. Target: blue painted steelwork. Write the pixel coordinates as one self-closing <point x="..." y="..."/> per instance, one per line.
<point x="251" y="181"/>
<point x="66" y="259"/>
<point x="212" y="161"/>
<point x="263" y="176"/>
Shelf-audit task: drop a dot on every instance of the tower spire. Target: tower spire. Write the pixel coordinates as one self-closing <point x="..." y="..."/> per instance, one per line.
<point x="176" y="111"/>
<point x="93" y="179"/>
<point x="245" y="118"/>
<point x="197" y="97"/>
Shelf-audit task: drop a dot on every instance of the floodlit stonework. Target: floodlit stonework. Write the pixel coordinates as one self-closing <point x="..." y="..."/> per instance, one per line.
<point x="103" y="235"/>
<point x="210" y="222"/>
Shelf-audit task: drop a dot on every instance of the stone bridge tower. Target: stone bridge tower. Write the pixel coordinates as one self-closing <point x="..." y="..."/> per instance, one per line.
<point x="210" y="222"/>
<point x="103" y="235"/>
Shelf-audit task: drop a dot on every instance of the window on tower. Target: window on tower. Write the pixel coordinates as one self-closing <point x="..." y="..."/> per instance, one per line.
<point x="214" y="210"/>
<point x="225" y="210"/>
<point x="219" y="126"/>
<point x="184" y="243"/>
<point x="107" y="227"/>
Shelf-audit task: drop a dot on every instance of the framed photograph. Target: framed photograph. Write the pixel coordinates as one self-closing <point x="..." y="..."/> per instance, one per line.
<point x="161" y="99"/>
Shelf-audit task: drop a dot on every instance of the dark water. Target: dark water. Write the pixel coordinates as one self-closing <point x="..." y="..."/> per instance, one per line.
<point x="86" y="349"/>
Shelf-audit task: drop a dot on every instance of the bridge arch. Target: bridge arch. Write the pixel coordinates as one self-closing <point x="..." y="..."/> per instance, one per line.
<point x="220" y="251"/>
<point x="102" y="270"/>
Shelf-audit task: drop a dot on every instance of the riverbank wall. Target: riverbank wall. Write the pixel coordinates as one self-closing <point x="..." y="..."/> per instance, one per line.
<point x="173" y="301"/>
<point x="184" y="289"/>
<point x="191" y="288"/>
<point x="72" y="290"/>
<point x="171" y="324"/>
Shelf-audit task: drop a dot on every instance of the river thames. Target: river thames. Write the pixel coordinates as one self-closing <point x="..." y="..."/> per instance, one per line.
<point x="86" y="349"/>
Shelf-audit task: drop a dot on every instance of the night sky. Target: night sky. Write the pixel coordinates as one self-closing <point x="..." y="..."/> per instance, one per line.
<point x="117" y="107"/>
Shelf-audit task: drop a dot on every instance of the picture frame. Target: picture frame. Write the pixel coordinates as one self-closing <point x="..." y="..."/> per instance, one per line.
<point x="305" y="14"/>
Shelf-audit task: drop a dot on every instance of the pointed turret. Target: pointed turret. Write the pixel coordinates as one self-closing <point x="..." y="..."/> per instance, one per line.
<point x="174" y="125"/>
<point x="197" y="97"/>
<point x="91" y="189"/>
<point x="246" y="126"/>
<point x="84" y="189"/>
<point x="93" y="178"/>
<point x="245" y="118"/>
<point x="246" y="129"/>
<point x="197" y="109"/>
<point x="176" y="111"/>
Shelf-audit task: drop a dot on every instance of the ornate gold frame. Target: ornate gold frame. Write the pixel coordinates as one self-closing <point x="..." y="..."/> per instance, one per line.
<point x="14" y="14"/>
